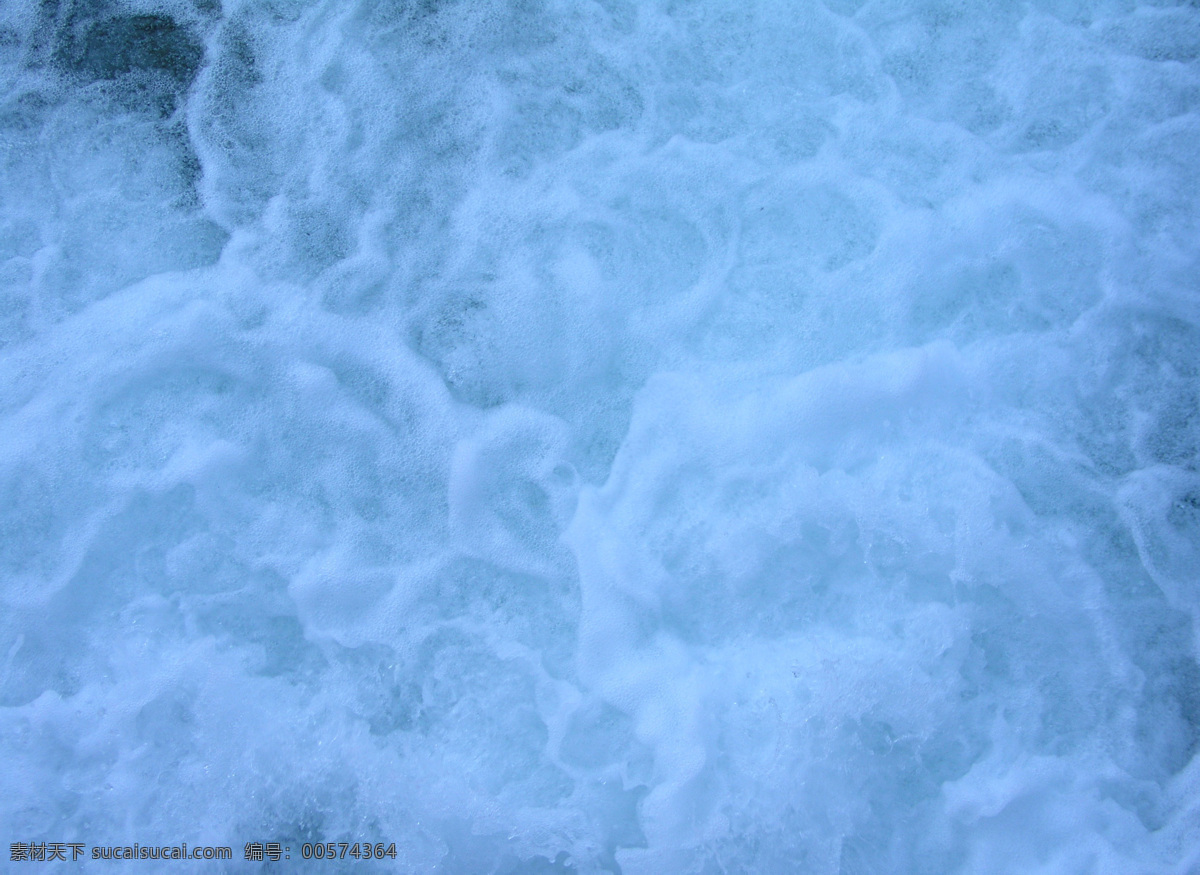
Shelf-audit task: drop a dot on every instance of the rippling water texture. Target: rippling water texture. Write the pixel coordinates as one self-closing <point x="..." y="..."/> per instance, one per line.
<point x="591" y="436"/>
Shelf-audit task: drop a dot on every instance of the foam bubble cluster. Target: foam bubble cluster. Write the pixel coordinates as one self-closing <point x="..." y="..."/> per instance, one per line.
<point x="607" y="436"/>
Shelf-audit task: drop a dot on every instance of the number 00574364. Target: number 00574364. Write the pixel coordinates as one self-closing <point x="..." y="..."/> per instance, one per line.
<point x="341" y="850"/>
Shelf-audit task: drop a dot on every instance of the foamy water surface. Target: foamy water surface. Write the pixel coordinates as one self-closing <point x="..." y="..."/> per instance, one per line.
<point x="597" y="436"/>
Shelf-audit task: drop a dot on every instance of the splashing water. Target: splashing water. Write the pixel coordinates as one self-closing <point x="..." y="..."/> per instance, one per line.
<point x="676" y="437"/>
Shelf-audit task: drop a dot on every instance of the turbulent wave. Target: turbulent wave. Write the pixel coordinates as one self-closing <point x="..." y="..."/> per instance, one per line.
<point x="599" y="436"/>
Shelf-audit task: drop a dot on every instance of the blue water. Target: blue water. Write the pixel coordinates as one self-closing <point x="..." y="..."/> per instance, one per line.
<point x="722" y="436"/>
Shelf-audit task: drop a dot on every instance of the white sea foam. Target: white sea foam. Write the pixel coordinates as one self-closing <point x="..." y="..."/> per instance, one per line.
<point x="667" y="437"/>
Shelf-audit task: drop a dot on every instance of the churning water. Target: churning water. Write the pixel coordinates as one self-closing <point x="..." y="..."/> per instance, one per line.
<point x="597" y="436"/>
